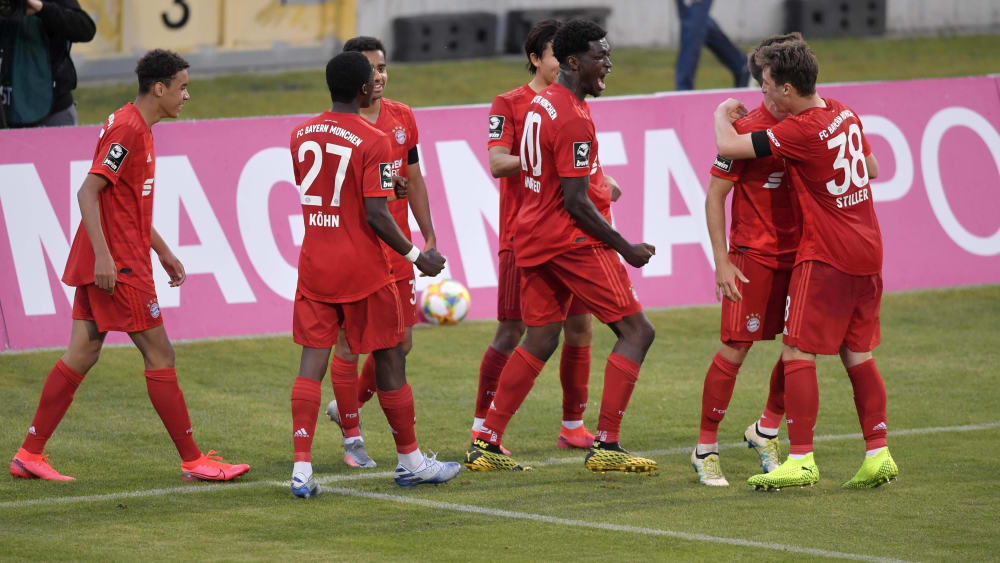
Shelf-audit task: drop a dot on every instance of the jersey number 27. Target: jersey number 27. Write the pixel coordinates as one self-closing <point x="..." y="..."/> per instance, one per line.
<point x="313" y="147"/>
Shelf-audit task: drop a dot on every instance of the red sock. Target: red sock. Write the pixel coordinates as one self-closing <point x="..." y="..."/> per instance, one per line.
<point x="489" y="375"/>
<point x="574" y="374"/>
<point x="715" y="396"/>
<point x="869" y="398"/>
<point x="57" y="394"/>
<point x="802" y="393"/>
<point x="516" y="381"/>
<point x="366" y="385"/>
<point x="344" y="377"/>
<point x="306" y="397"/>
<point x="620" y="375"/>
<point x="775" y="408"/>
<point x="398" y="408"/>
<point x="168" y="400"/>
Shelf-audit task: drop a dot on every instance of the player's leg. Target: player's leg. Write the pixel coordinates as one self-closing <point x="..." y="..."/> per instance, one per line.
<point x="574" y="374"/>
<point x="717" y="391"/>
<point x="81" y="354"/>
<point x="407" y="290"/>
<point x="345" y="408"/>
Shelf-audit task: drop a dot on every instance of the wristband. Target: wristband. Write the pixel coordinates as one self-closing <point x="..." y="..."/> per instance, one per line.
<point x="413" y="254"/>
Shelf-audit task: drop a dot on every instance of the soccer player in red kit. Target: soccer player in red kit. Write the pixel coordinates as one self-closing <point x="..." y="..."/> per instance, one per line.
<point x="396" y="120"/>
<point x="566" y="250"/>
<point x="109" y="264"/>
<point x="344" y="172"/>
<point x="836" y="286"/>
<point x="752" y="276"/>
<point x="506" y="121"/>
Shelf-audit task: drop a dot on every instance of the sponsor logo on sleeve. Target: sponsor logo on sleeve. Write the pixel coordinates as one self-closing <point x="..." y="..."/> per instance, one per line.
<point x="116" y="155"/>
<point x="385" y="173"/>
<point x="773" y="139"/>
<point x="723" y="164"/>
<point x="581" y="155"/>
<point x="496" y="126"/>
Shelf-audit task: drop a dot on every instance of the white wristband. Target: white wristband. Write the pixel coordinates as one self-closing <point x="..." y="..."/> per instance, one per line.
<point x="413" y="254"/>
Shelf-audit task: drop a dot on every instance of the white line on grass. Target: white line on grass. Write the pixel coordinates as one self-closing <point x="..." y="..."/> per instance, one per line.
<point x="211" y="487"/>
<point x="604" y="526"/>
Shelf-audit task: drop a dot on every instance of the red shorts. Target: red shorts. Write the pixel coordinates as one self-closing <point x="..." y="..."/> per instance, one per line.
<point x="827" y="309"/>
<point x="591" y="275"/>
<point x="127" y="309"/>
<point x="372" y="323"/>
<point x="407" y="290"/>
<point x="760" y="315"/>
<point x="508" y="288"/>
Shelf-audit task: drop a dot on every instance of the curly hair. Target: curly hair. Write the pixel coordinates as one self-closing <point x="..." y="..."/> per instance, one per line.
<point x="791" y="62"/>
<point x="346" y="73"/>
<point x="539" y="36"/>
<point x="755" y="69"/>
<point x="363" y="43"/>
<point x="574" y="37"/>
<point x="158" y="65"/>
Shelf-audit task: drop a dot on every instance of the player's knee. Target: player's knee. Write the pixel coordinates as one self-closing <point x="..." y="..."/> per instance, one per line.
<point x="407" y="346"/>
<point x="507" y="337"/>
<point x="580" y="333"/>
<point x="735" y="352"/>
<point x="344" y="353"/>
<point x="642" y="333"/>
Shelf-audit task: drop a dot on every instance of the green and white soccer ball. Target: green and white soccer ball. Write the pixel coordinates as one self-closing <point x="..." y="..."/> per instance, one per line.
<point x="445" y="302"/>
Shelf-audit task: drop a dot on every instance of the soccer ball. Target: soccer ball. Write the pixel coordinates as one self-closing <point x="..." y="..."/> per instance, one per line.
<point x="445" y="302"/>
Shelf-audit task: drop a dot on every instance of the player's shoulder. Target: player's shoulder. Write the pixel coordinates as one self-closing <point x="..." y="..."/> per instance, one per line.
<point x="757" y="119"/>
<point x="396" y="107"/>
<point x="126" y="121"/>
<point x="517" y="94"/>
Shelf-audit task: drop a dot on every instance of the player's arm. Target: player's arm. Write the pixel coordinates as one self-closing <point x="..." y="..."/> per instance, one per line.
<point x="731" y="144"/>
<point x="377" y="214"/>
<point x="616" y="190"/>
<point x="588" y="218"/>
<point x="872" y="163"/>
<point x="105" y="270"/>
<point x="502" y="163"/>
<point x="171" y="264"/>
<point x="715" y="217"/>
<point x="419" y="202"/>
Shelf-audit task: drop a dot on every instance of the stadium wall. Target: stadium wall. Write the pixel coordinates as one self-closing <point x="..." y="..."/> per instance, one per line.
<point x="226" y="203"/>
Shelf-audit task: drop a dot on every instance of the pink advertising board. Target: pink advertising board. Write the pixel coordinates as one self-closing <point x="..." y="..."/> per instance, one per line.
<point x="226" y="203"/>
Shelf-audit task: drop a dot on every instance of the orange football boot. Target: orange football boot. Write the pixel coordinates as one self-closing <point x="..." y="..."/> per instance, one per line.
<point x="578" y="437"/>
<point x="27" y="465"/>
<point x="210" y="467"/>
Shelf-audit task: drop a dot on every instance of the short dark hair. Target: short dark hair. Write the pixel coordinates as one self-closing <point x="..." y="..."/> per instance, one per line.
<point x="574" y="37"/>
<point x="791" y="62"/>
<point x="158" y="65"/>
<point x="538" y="37"/>
<point x="363" y="43"/>
<point x="755" y="69"/>
<point x="346" y="73"/>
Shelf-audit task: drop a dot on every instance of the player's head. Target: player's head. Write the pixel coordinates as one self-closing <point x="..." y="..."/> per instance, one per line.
<point x="373" y="49"/>
<point x="755" y="69"/>
<point x="581" y="47"/>
<point x="349" y="78"/>
<point x="538" y="48"/>
<point x="789" y="72"/>
<point x="163" y="75"/>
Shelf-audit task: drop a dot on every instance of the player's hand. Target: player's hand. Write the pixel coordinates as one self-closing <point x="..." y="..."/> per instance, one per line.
<point x="616" y="191"/>
<point x="105" y="272"/>
<point x="733" y="108"/>
<point x="174" y="269"/>
<point x="725" y="281"/>
<point x="430" y="243"/>
<point x="399" y="186"/>
<point x="33" y="7"/>
<point x="430" y="262"/>
<point x="638" y="255"/>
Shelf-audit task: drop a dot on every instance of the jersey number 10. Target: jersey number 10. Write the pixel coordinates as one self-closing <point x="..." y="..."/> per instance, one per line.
<point x="531" y="149"/>
<point x="312" y="146"/>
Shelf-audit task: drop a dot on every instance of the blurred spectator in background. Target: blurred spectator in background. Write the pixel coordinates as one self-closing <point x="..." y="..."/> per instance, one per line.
<point x="697" y="29"/>
<point x="37" y="76"/>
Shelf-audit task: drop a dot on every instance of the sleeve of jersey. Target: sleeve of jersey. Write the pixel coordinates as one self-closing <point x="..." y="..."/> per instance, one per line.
<point x="412" y="136"/>
<point x="295" y="167"/>
<point x="866" y="149"/>
<point x="572" y="147"/>
<point x="377" y="172"/>
<point x="727" y="169"/>
<point x="788" y="141"/>
<point x="113" y="153"/>
<point x="501" y="124"/>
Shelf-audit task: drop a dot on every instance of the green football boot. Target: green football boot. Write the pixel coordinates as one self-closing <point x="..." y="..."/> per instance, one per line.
<point x="794" y="472"/>
<point x="876" y="470"/>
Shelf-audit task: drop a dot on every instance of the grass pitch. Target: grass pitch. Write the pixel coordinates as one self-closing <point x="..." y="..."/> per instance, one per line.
<point x="938" y="359"/>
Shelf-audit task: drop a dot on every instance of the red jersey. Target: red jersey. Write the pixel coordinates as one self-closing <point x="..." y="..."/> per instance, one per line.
<point x="339" y="159"/>
<point x="825" y="150"/>
<point x="558" y="141"/>
<point x="506" y="123"/>
<point x="124" y="157"/>
<point x="396" y="120"/>
<point x="765" y="222"/>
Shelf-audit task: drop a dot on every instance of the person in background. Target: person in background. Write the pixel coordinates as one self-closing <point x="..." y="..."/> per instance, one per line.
<point x="37" y="76"/>
<point x="697" y="29"/>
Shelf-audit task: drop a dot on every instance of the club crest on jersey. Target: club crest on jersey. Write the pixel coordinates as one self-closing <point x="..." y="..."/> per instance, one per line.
<point x="496" y="126"/>
<point x="400" y="134"/>
<point x="581" y="155"/>
<point x="723" y="164"/>
<point x="385" y="173"/>
<point x="154" y="309"/>
<point x="753" y="322"/>
<point x="116" y="155"/>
